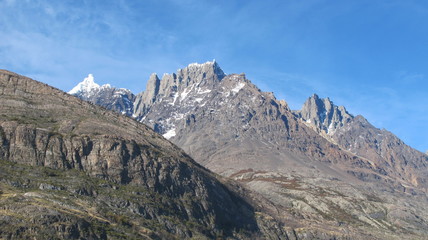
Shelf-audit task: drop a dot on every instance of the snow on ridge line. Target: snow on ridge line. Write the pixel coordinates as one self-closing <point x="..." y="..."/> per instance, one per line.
<point x="201" y="64"/>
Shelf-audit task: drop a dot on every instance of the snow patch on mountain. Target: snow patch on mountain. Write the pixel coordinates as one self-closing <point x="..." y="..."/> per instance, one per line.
<point x="175" y="99"/>
<point x="171" y="133"/>
<point x="184" y="94"/>
<point x="331" y="130"/>
<point x="238" y="87"/>
<point x="200" y="91"/>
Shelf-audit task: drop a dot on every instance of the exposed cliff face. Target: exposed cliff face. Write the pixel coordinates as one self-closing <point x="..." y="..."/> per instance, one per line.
<point x="42" y="126"/>
<point x="45" y="203"/>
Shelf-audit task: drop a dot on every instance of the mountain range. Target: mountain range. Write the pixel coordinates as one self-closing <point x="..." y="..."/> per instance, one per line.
<point x="199" y="154"/>
<point x="201" y="109"/>
<point x="304" y="161"/>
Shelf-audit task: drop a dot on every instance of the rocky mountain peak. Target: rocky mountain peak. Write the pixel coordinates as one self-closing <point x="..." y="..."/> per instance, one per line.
<point x="187" y="84"/>
<point x="323" y="115"/>
<point x="210" y="68"/>
<point x="202" y="74"/>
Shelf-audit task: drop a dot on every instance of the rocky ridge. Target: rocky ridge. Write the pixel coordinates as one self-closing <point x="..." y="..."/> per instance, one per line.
<point x="292" y="158"/>
<point x="358" y="136"/>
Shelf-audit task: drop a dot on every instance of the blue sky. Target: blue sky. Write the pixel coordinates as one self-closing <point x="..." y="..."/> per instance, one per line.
<point x="369" y="55"/>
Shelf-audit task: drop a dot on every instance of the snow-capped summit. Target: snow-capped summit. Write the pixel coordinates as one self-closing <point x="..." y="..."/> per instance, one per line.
<point x="118" y="99"/>
<point x="86" y="85"/>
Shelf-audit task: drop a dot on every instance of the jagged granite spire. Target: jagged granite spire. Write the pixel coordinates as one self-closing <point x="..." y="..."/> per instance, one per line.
<point x="145" y="99"/>
<point x="323" y="115"/>
<point x="152" y="89"/>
